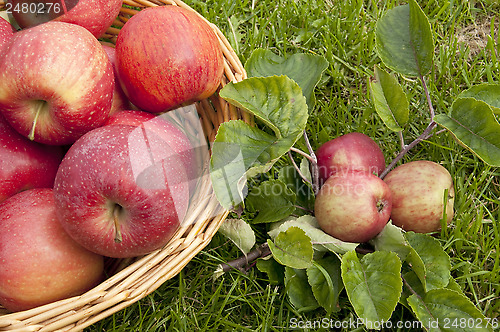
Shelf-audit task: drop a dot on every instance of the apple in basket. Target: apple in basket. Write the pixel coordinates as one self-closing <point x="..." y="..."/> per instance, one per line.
<point x="56" y="83"/>
<point x="120" y="100"/>
<point x="6" y="32"/>
<point x="94" y="15"/>
<point x="168" y="56"/>
<point x="25" y="164"/>
<point x="40" y="263"/>
<point x="121" y="191"/>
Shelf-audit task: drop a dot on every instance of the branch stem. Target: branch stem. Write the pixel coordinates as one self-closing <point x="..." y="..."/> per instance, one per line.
<point x="238" y="264"/>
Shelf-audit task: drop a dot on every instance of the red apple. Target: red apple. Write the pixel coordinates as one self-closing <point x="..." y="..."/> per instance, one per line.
<point x="352" y="151"/>
<point x="120" y="100"/>
<point x="40" y="263"/>
<point x="94" y="15"/>
<point x="171" y="134"/>
<point x="168" y="56"/>
<point x="418" y="194"/>
<point x="353" y="206"/>
<point x="25" y="164"/>
<point x="121" y="191"/>
<point x="56" y="83"/>
<point x="6" y="33"/>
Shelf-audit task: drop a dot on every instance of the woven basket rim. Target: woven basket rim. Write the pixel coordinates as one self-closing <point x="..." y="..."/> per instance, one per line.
<point x="142" y="276"/>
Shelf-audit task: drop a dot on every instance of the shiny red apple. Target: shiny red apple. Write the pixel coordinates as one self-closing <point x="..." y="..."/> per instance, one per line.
<point x="121" y="191"/>
<point x="56" y="83"/>
<point x="25" y="164"/>
<point x="39" y="262"/>
<point x="94" y="15"/>
<point x="168" y="56"/>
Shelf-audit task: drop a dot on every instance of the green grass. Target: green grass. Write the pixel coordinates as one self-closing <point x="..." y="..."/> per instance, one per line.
<point x="343" y="32"/>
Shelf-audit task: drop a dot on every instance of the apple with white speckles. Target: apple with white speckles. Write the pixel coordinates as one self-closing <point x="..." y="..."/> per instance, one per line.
<point x="353" y="206"/>
<point x="423" y="194"/>
<point x="94" y="15"/>
<point x="120" y="100"/>
<point x="40" y="263"/>
<point x="6" y="32"/>
<point x="25" y="164"/>
<point x="168" y="56"/>
<point x="121" y="191"/>
<point x="56" y="83"/>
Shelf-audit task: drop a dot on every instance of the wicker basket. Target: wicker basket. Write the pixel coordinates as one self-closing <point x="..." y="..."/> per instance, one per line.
<point x="132" y="280"/>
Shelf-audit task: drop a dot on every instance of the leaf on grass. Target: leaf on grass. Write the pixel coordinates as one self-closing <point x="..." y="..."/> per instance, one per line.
<point x="474" y="125"/>
<point x="373" y="285"/>
<point x="292" y="248"/>
<point x="447" y="310"/>
<point x="273" y="199"/>
<point x="391" y="238"/>
<point x="321" y="240"/>
<point x="276" y="100"/>
<point x="487" y="92"/>
<point x="391" y="103"/>
<point x="275" y="271"/>
<point x="326" y="282"/>
<point x="305" y="69"/>
<point x="404" y="41"/>
<point x="298" y="290"/>
<point x="428" y="260"/>
<point x="240" y="151"/>
<point x="303" y="191"/>
<point x="240" y="233"/>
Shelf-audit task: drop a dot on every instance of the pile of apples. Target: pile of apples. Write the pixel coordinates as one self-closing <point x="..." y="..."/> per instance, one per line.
<point x="88" y="167"/>
<point x="354" y="204"/>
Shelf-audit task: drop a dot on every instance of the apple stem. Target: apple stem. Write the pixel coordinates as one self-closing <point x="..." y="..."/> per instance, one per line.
<point x="31" y="135"/>
<point x="425" y="135"/>
<point x="118" y="234"/>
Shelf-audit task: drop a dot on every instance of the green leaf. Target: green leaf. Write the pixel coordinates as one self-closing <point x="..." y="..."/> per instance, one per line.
<point x="277" y="101"/>
<point x="412" y="285"/>
<point x="390" y="100"/>
<point x="428" y="260"/>
<point x="305" y="69"/>
<point x="273" y="199"/>
<point x="487" y="92"/>
<point x="240" y="233"/>
<point x="473" y="124"/>
<point x="373" y="285"/>
<point x="326" y="282"/>
<point x="240" y="151"/>
<point x="321" y="241"/>
<point x="275" y="271"/>
<point x="404" y="41"/>
<point x="447" y="310"/>
<point x="292" y="248"/>
<point x="299" y="291"/>
<point x="391" y="238"/>
<point x="303" y="191"/>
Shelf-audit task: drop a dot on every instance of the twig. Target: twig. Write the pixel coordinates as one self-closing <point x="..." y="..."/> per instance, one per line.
<point x="238" y="264"/>
<point x="297" y="168"/>
<point x="428" y="97"/>
<point x="314" y="164"/>
<point x="426" y="134"/>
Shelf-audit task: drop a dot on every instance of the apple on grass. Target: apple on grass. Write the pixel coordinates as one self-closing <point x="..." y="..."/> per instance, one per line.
<point x="25" y="164"/>
<point x="94" y="15"/>
<point x="352" y="151"/>
<point x="353" y="206"/>
<point x="40" y="263"/>
<point x="56" y="83"/>
<point x="168" y="56"/>
<point x="418" y="191"/>
<point x="121" y="191"/>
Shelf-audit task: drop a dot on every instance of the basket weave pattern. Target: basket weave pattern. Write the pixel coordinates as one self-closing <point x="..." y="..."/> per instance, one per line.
<point x="136" y="278"/>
